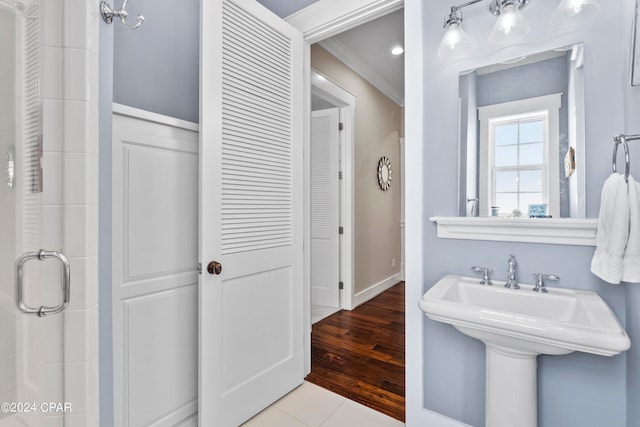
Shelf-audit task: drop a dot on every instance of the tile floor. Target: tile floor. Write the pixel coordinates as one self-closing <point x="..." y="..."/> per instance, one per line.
<point x="313" y="406"/>
<point x="319" y="312"/>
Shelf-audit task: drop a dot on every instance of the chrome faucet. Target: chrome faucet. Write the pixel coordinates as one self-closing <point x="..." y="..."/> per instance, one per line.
<point x="486" y="280"/>
<point x="512" y="279"/>
<point x="540" y="288"/>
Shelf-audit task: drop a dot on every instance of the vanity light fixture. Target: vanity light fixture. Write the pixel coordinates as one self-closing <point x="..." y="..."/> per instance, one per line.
<point x="570" y="12"/>
<point x="455" y="40"/>
<point x="397" y="50"/>
<point x="511" y="24"/>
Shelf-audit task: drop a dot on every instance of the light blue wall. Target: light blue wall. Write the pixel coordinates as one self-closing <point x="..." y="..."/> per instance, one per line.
<point x="156" y="67"/>
<point x="632" y="113"/>
<point x="633" y="355"/>
<point x="577" y="389"/>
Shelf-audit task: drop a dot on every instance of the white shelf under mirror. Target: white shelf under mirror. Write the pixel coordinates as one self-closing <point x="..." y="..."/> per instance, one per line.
<point x="558" y="231"/>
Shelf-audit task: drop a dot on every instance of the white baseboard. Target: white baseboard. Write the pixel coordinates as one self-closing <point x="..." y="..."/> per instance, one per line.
<point x="373" y="291"/>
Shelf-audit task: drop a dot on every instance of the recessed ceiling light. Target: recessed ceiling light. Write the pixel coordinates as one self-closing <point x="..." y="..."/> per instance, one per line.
<point x="398" y="50"/>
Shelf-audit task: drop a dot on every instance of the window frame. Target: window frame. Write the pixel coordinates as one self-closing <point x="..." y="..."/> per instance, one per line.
<point x="547" y="107"/>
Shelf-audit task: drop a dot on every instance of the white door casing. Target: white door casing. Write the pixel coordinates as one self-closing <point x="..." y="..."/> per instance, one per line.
<point x="325" y="242"/>
<point x="324" y="88"/>
<point x="250" y="315"/>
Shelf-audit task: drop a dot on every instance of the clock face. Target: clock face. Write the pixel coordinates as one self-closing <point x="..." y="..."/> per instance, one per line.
<point x="384" y="173"/>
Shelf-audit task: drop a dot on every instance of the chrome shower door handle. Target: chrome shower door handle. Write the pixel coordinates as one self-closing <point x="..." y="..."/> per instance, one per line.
<point x="42" y="255"/>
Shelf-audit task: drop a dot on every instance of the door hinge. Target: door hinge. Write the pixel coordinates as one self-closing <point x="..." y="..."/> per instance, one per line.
<point x="339" y="174"/>
<point x="340" y="285"/>
<point x="341" y="230"/>
<point x="340" y="126"/>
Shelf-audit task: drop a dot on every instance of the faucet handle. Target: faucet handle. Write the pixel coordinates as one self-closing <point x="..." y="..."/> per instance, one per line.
<point x="485" y="274"/>
<point x="540" y="277"/>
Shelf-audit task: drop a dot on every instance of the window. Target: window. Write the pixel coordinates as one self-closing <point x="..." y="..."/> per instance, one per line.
<point x="519" y="141"/>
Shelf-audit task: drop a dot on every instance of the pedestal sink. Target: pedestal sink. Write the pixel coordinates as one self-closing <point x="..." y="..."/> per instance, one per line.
<point x="518" y="325"/>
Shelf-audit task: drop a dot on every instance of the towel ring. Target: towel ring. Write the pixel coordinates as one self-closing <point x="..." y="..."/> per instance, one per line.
<point x="617" y="140"/>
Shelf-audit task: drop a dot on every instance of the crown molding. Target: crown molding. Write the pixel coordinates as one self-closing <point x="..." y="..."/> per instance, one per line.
<point x="353" y="61"/>
<point x="326" y="18"/>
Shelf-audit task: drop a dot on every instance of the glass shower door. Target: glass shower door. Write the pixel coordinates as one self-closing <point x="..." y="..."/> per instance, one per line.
<point x="33" y="275"/>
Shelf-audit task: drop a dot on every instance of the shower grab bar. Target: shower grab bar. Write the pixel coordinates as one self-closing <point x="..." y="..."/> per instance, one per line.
<point x="42" y="255"/>
<point x="622" y="139"/>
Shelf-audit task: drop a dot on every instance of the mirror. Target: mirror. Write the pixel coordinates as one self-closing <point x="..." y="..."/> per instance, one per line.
<point x="522" y="137"/>
<point x="384" y="173"/>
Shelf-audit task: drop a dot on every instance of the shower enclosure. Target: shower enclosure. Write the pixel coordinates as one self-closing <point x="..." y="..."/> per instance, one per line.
<point x="34" y="274"/>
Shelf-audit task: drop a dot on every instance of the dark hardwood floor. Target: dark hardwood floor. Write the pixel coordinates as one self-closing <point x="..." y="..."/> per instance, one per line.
<point x="359" y="354"/>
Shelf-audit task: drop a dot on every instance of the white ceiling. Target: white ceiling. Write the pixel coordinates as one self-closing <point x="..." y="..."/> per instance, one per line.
<point x="284" y="8"/>
<point x="366" y="49"/>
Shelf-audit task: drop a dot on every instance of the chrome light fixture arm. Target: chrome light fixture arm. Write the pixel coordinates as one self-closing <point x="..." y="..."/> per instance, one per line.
<point x="455" y="16"/>
<point x="108" y="13"/>
<point x="495" y="7"/>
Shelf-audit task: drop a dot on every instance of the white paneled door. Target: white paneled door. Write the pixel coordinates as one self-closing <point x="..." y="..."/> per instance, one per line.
<point x="325" y="218"/>
<point x="251" y="286"/>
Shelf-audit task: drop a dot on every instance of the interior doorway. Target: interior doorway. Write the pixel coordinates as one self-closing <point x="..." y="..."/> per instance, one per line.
<point x="334" y="331"/>
<point x="331" y="196"/>
<point x="371" y="258"/>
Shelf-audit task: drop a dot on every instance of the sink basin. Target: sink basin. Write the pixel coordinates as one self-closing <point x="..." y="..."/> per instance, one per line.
<point x="558" y="322"/>
<point x="516" y="326"/>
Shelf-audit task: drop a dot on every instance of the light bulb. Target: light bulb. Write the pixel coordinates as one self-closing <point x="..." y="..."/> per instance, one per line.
<point x="508" y="20"/>
<point x="454" y="42"/>
<point x="575" y="6"/>
<point x="511" y="25"/>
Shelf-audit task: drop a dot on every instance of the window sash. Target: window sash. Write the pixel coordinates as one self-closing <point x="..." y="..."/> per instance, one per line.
<point x="522" y="111"/>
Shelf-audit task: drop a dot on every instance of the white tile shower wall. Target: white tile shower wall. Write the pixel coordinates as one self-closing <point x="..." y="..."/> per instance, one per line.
<point x="78" y="106"/>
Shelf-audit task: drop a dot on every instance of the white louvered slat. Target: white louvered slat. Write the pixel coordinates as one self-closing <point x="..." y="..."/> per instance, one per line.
<point x="320" y="191"/>
<point x="256" y="135"/>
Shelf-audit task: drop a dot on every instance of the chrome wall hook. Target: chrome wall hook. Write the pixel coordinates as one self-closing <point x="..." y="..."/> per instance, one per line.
<point x="108" y="13"/>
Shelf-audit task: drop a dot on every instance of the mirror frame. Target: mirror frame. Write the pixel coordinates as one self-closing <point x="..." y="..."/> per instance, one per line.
<point x="560" y="231"/>
<point x="574" y="134"/>
<point x="384" y="173"/>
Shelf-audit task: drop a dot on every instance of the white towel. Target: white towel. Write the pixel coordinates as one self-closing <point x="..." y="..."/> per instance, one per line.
<point x="631" y="258"/>
<point x="613" y="230"/>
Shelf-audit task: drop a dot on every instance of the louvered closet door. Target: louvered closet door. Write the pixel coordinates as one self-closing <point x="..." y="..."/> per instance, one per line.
<point x="325" y="244"/>
<point x="250" y="314"/>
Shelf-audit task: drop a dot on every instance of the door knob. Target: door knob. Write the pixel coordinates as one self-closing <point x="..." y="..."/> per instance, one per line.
<point x="214" y="267"/>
